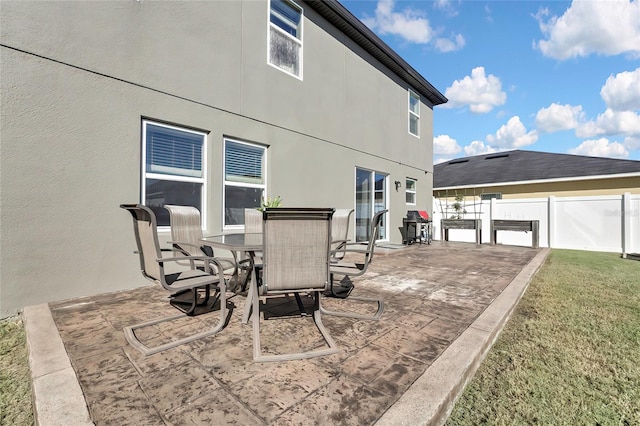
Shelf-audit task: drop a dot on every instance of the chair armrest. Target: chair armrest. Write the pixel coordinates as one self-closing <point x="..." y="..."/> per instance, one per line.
<point x="162" y="249"/>
<point x="358" y="251"/>
<point x="207" y="261"/>
<point x="183" y="244"/>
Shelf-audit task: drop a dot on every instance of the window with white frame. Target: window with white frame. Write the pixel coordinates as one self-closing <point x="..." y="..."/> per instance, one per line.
<point x="244" y="179"/>
<point x="497" y="196"/>
<point x="173" y="170"/>
<point x="371" y="197"/>
<point x="285" y="36"/>
<point x="410" y="191"/>
<point x="414" y="113"/>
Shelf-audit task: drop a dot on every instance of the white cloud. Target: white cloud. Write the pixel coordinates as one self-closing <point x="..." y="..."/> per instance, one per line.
<point x="632" y="143"/>
<point x="440" y="160"/>
<point x="409" y="24"/>
<point x="600" y="148"/>
<point x="601" y="27"/>
<point x="449" y="45"/>
<point x="412" y="25"/>
<point x="622" y="91"/>
<point x="481" y="92"/>
<point x="477" y="148"/>
<point x="512" y="135"/>
<point x="558" y="117"/>
<point x="445" y="145"/>
<point x="488" y="16"/>
<point x="445" y="6"/>
<point x="610" y="123"/>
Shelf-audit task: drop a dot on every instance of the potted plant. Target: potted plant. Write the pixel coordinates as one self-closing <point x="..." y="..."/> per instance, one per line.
<point x="269" y="202"/>
<point x="459" y="211"/>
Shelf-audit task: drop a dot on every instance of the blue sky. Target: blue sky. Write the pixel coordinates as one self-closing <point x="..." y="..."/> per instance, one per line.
<point x="553" y="76"/>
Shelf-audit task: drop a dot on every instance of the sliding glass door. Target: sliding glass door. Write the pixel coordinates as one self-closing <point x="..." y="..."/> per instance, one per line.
<point x="371" y="197"/>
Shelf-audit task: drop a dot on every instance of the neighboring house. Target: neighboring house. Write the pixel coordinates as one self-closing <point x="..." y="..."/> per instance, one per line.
<point x="530" y="174"/>
<point x="211" y="104"/>
<point x="585" y="203"/>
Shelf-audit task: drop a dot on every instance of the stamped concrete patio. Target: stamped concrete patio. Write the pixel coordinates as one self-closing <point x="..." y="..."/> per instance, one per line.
<point x="432" y="294"/>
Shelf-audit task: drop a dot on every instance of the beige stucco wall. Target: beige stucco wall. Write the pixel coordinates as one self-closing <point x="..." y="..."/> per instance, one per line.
<point x="77" y="79"/>
<point x="576" y="188"/>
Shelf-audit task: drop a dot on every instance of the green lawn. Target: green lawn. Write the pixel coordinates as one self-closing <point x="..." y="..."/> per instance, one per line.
<point x="15" y="380"/>
<point x="570" y="355"/>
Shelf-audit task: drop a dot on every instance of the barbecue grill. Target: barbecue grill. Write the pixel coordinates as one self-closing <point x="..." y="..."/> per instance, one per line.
<point x="416" y="227"/>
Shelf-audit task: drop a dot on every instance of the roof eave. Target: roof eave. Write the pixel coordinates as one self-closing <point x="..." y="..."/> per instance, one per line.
<point x="341" y="18"/>
<point x="536" y="181"/>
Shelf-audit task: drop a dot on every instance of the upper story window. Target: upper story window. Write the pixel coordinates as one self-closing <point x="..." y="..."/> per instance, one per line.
<point x="410" y="191"/>
<point x="285" y="36"/>
<point x="414" y="113"/>
<point x="173" y="169"/>
<point x="244" y="179"/>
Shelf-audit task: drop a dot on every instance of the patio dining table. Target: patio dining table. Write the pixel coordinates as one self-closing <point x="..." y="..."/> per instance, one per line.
<point x="248" y="243"/>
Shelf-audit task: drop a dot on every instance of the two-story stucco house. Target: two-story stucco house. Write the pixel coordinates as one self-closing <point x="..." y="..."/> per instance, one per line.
<point x="212" y="104"/>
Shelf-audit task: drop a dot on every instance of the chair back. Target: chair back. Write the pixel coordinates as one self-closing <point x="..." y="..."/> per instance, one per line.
<point x="185" y="224"/>
<point x="340" y="225"/>
<point x="376" y="221"/>
<point x="296" y="243"/>
<point x="145" y="230"/>
<point x="186" y="227"/>
<point x="340" y="232"/>
<point x="252" y="221"/>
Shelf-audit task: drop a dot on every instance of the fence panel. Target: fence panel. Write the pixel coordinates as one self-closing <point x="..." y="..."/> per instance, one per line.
<point x="634" y="231"/>
<point x="523" y="209"/>
<point x="464" y="235"/>
<point x="598" y="223"/>
<point x="593" y="223"/>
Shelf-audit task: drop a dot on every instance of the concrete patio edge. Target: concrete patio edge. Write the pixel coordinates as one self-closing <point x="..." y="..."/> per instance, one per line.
<point x="431" y="397"/>
<point x="57" y="397"/>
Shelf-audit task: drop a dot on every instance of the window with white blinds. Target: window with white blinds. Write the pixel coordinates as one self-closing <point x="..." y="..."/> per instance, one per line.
<point x="173" y="169"/>
<point x="174" y="152"/>
<point x="244" y="179"/>
<point x="243" y="162"/>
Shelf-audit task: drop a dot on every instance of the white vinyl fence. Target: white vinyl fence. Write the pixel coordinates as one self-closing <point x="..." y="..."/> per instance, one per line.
<point x="597" y="223"/>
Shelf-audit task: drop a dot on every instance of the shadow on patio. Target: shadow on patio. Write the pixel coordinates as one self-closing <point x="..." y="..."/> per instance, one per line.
<point x="432" y="294"/>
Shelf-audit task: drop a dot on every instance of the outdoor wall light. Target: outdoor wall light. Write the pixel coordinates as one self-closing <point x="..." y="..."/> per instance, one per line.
<point x="398" y="183"/>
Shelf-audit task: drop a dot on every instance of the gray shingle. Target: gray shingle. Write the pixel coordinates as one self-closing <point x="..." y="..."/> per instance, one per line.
<point x="518" y="165"/>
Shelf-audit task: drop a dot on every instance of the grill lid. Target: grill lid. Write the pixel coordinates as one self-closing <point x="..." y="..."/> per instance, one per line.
<point x="418" y="215"/>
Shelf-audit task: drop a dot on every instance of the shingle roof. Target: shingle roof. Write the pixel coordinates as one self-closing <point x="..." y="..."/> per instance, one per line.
<point x="341" y="18"/>
<point x="518" y="166"/>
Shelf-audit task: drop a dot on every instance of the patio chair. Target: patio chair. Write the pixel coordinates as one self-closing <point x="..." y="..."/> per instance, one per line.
<point x="252" y="221"/>
<point x="252" y="225"/>
<point x="189" y="282"/>
<point x="340" y="233"/>
<point x="348" y="270"/>
<point x="186" y="233"/>
<point x="296" y="260"/>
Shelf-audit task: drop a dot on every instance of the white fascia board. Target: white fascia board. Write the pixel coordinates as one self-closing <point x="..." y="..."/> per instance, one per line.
<point x="529" y="182"/>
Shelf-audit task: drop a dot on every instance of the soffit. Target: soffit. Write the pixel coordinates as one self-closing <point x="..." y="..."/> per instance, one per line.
<point x="353" y="28"/>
